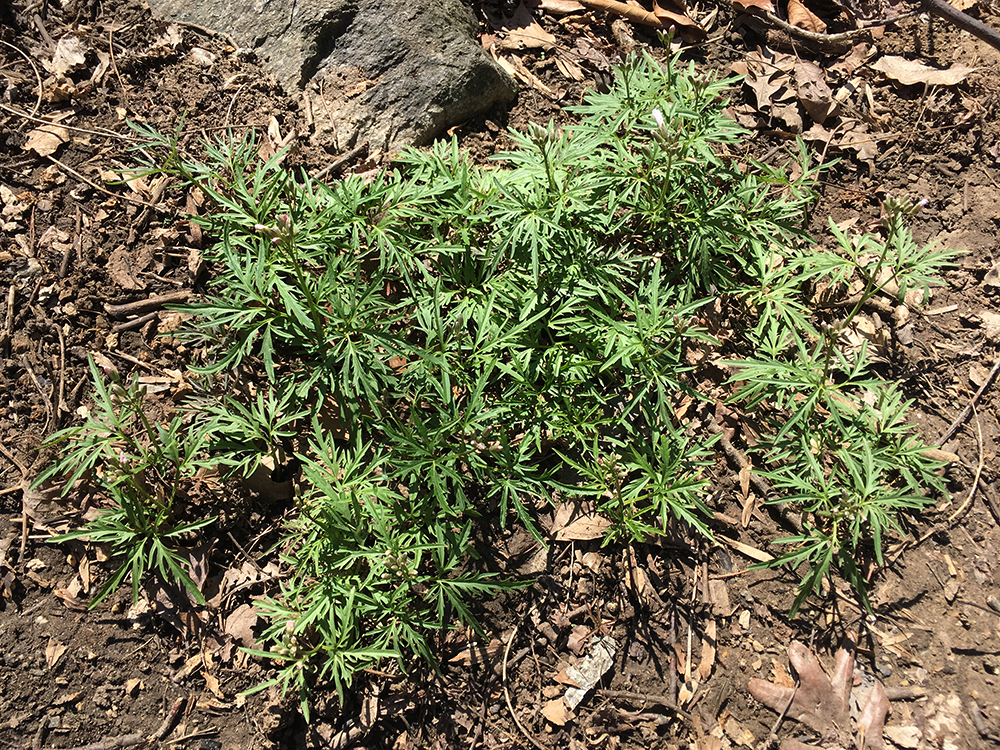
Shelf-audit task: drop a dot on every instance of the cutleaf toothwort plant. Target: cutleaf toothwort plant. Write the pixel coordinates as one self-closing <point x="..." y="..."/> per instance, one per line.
<point x="442" y="346"/>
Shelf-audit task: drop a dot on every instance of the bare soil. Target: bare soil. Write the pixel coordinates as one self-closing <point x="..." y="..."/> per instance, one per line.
<point x="70" y="245"/>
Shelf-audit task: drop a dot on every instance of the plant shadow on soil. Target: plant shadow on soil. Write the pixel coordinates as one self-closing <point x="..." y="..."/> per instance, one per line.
<point x="73" y="677"/>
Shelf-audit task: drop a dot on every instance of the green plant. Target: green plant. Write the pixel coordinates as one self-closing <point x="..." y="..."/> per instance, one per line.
<point x="443" y="346"/>
<point x="837" y="443"/>
<point x="144" y="468"/>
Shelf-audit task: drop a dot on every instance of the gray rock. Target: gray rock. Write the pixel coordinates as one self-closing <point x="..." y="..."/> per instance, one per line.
<point x="389" y="72"/>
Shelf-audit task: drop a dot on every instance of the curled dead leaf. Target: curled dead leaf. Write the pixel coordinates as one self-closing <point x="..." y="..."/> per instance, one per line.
<point x="910" y="72"/>
<point x="799" y="15"/>
<point x="46" y="139"/>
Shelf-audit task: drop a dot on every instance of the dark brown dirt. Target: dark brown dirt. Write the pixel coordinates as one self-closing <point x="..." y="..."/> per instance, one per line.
<point x="72" y="677"/>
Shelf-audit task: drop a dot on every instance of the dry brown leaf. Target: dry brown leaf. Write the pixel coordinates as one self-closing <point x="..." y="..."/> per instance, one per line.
<point x="765" y="5"/>
<point x="672" y="15"/>
<point x="564" y="679"/>
<point x="212" y="682"/>
<point x="799" y="15"/>
<point x="569" y="68"/>
<point x="557" y="7"/>
<point x="556" y="712"/>
<point x="859" y="140"/>
<point x="68" y="56"/>
<point x="240" y="625"/>
<point x="909" y="72"/>
<point x="707" y="651"/>
<point x="584" y="528"/>
<point x="46" y="139"/>
<point x="523" y="31"/>
<point x="515" y="68"/>
<point x="54" y="651"/>
<point x="814" y="93"/>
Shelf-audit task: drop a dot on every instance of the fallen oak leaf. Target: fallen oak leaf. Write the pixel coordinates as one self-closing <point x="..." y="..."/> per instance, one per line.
<point x="822" y="702"/>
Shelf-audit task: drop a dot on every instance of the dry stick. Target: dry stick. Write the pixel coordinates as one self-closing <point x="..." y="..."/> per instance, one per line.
<point x="341" y="161"/>
<point x="208" y="32"/>
<point x="143" y="306"/>
<point x="104" y="190"/>
<point x="23" y="486"/>
<point x="114" y="64"/>
<point x="41" y="121"/>
<point x="59" y="396"/>
<point x="659" y="700"/>
<point x="38" y="385"/>
<point x="38" y="76"/>
<point x="506" y="694"/>
<point x="131" y="325"/>
<point x="128" y="740"/>
<point x="953" y="428"/>
<point x="168" y="723"/>
<point x="964" y="21"/>
<point x="773" y="736"/>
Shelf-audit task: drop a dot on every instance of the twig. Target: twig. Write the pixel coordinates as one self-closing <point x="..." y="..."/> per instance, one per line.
<point x="208" y="32"/>
<point x="41" y="391"/>
<point x="506" y="694"/>
<point x="71" y="246"/>
<point x="660" y="700"/>
<point x="143" y="306"/>
<point x="59" y="390"/>
<point x="130" y="325"/>
<point x="104" y="190"/>
<point x="953" y="428"/>
<point x="87" y="131"/>
<point x="341" y="161"/>
<point x="116" y="743"/>
<point x="38" y="76"/>
<point x="964" y="21"/>
<point x="773" y="736"/>
<point x="168" y="723"/>
<point x="830" y="40"/>
<point x="114" y="64"/>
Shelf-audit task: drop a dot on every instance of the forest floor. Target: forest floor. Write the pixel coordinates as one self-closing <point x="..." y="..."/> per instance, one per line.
<point x="72" y="243"/>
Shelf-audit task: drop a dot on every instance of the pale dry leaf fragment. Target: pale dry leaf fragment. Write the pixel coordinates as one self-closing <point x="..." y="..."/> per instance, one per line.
<point x="707" y="651"/>
<point x="909" y="72"/>
<point x="859" y="140"/>
<point x="992" y="278"/>
<point x="54" y="651"/>
<point x="132" y="687"/>
<point x="69" y="55"/>
<point x="523" y="31"/>
<point x="212" y="683"/>
<point x="991" y="325"/>
<point x="591" y="669"/>
<point x="906" y="737"/>
<point x="569" y="69"/>
<point x="556" y="712"/>
<point x="584" y="528"/>
<point x="46" y="139"/>
<point x="122" y="270"/>
<point x="171" y="37"/>
<point x="557" y="7"/>
<point x="799" y="15"/>
<point x="202" y="57"/>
